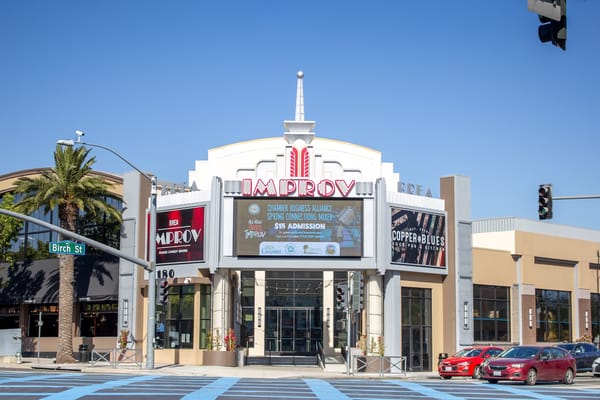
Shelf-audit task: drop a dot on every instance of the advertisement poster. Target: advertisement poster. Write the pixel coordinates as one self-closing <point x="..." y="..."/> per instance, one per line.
<point x="298" y="227"/>
<point x="418" y="237"/>
<point x="180" y="236"/>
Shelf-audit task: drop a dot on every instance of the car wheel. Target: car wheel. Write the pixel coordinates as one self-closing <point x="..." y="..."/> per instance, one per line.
<point x="531" y="377"/>
<point x="569" y="377"/>
<point x="447" y="377"/>
<point x="492" y="381"/>
<point x="477" y="372"/>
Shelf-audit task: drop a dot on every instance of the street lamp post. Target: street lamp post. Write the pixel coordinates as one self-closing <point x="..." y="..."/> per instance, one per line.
<point x="151" y="322"/>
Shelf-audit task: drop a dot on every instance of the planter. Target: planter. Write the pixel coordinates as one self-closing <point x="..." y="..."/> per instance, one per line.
<point x="221" y="358"/>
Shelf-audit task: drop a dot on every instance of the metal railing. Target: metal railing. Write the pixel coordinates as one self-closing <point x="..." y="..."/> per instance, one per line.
<point x="115" y="357"/>
<point x="320" y="355"/>
<point x="378" y="364"/>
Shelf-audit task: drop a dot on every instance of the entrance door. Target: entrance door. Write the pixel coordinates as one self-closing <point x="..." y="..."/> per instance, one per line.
<point x="293" y="312"/>
<point x="293" y="330"/>
<point x="416" y="328"/>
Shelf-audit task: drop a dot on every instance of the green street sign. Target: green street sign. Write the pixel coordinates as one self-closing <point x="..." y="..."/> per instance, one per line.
<point x="67" y="247"/>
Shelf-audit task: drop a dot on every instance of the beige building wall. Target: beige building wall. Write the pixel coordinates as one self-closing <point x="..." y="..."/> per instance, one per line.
<point x="529" y="255"/>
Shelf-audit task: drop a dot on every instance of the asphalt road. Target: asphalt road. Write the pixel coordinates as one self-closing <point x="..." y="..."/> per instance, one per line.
<point x="26" y="385"/>
<point x="30" y="385"/>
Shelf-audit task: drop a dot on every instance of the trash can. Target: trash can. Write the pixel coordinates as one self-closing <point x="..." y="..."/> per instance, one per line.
<point x="442" y="357"/>
<point x="84" y="353"/>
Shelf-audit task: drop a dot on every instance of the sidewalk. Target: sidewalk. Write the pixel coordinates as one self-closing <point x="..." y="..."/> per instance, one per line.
<point x="333" y="371"/>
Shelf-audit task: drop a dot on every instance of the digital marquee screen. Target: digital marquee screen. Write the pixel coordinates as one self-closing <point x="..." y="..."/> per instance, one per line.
<point x="180" y="236"/>
<point x="418" y="237"/>
<point x="298" y="227"/>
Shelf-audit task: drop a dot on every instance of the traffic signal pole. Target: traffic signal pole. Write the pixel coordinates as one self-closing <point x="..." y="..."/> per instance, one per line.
<point x="349" y="321"/>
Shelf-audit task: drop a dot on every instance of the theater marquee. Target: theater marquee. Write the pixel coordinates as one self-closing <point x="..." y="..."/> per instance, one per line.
<point x="418" y="237"/>
<point x="298" y="227"/>
<point x="180" y="236"/>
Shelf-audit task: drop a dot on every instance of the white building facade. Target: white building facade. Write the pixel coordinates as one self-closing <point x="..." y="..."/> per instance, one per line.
<point x="275" y="231"/>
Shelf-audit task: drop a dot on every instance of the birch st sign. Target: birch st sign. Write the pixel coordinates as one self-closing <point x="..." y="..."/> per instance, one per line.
<point x="67" y="247"/>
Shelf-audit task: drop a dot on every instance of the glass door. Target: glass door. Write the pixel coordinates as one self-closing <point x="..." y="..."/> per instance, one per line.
<point x="293" y="330"/>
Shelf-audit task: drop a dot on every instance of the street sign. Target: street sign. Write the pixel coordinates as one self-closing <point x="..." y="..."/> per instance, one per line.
<point x="67" y="247"/>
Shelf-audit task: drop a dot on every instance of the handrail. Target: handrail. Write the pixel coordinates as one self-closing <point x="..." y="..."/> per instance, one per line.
<point x="320" y="355"/>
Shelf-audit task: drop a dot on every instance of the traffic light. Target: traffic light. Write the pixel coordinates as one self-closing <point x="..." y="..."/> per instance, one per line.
<point x="545" y="202"/>
<point x="341" y="293"/>
<point x="163" y="293"/>
<point x="361" y="294"/>
<point x="553" y="16"/>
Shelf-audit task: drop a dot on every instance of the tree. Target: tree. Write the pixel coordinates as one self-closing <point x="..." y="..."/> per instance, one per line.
<point x="9" y="229"/>
<point x="71" y="187"/>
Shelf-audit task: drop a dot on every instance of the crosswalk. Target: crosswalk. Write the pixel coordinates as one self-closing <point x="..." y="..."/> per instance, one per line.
<point x="78" y="386"/>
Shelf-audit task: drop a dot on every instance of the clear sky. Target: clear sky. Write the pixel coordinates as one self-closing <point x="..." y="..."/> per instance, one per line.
<point x="439" y="87"/>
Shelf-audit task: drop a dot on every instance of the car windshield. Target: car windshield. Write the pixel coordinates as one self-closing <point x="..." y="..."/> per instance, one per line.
<point x="567" y="346"/>
<point x="468" y="352"/>
<point x="472" y="353"/>
<point x="519" y="352"/>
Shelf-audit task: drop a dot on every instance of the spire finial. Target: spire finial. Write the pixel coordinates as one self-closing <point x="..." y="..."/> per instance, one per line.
<point x="299" y="97"/>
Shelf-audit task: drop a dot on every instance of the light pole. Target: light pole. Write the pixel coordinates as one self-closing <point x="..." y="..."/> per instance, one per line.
<point x="151" y="322"/>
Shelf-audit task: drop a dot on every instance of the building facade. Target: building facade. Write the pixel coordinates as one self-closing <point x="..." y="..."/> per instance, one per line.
<point x="273" y="228"/>
<point x="296" y="244"/>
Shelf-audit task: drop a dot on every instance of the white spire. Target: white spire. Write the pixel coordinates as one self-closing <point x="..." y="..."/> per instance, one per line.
<point x="299" y="128"/>
<point x="299" y="98"/>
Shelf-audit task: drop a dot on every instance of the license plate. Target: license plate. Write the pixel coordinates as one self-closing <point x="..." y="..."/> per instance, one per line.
<point x="497" y="373"/>
<point x="448" y="369"/>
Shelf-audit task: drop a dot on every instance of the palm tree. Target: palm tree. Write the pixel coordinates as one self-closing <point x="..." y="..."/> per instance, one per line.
<point x="72" y="187"/>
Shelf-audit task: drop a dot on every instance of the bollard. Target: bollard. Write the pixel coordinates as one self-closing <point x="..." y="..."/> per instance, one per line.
<point x="18" y="357"/>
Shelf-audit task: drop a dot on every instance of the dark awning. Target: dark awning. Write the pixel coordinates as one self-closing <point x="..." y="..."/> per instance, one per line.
<point x="96" y="279"/>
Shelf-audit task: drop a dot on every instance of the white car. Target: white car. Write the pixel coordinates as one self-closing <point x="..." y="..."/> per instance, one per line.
<point x="596" y="367"/>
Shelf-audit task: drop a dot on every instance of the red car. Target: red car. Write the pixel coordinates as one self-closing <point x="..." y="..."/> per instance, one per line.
<point x="530" y="364"/>
<point x="467" y="362"/>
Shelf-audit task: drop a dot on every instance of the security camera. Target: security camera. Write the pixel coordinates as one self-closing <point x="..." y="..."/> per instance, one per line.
<point x="79" y="134"/>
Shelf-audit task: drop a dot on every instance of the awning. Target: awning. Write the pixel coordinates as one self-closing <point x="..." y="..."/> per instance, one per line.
<point x="96" y="279"/>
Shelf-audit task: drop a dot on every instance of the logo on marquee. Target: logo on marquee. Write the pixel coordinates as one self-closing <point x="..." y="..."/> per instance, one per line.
<point x="297" y="187"/>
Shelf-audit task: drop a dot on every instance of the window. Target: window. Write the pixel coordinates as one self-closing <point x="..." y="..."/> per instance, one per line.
<point x="99" y="319"/>
<point x="179" y="318"/>
<point x="247" y="299"/>
<point x="553" y="315"/>
<point x="48" y="315"/>
<point x="205" y="307"/>
<point x="491" y="307"/>
<point x="32" y="241"/>
<point x="9" y="317"/>
<point x="417" y="328"/>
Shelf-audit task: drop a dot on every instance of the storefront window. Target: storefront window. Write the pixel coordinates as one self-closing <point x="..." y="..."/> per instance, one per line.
<point x="9" y="317"/>
<point x="553" y="315"/>
<point x="247" y="299"/>
<point x="491" y="305"/>
<point x="205" y="306"/>
<point x="47" y="314"/>
<point x="179" y="318"/>
<point x="99" y="319"/>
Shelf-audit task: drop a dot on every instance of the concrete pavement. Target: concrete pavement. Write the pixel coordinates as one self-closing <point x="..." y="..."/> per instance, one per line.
<point x="332" y="371"/>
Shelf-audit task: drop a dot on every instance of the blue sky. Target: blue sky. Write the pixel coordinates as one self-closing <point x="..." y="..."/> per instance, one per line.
<point x="439" y="87"/>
